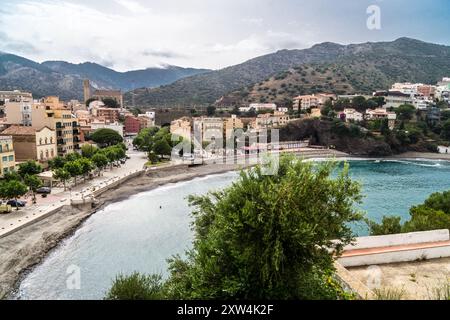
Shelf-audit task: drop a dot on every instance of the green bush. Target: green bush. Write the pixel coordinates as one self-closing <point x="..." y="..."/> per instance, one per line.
<point x="136" y="287"/>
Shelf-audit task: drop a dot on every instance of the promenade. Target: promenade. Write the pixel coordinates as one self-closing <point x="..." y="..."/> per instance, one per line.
<point x="59" y="198"/>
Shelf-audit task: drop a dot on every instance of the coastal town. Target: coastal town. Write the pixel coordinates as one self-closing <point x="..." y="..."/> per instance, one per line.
<point x="42" y="132"/>
<point x="224" y="159"/>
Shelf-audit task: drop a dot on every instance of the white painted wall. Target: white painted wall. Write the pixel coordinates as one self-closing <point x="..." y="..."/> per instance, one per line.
<point x="399" y="239"/>
<point x="395" y="257"/>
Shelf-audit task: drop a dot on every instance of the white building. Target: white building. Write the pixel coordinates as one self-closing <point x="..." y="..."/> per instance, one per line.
<point x="148" y="114"/>
<point x="259" y="107"/>
<point x="24" y="104"/>
<point x="352" y="115"/>
<point x="395" y="99"/>
<point x="381" y="113"/>
<point x="95" y="125"/>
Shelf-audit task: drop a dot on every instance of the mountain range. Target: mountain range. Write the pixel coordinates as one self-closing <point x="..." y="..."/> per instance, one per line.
<point x="66" y="79"/>
<point x="275" y="77"/>
<point x="354" y="68"/>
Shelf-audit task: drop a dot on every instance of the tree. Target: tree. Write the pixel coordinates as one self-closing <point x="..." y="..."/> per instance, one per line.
<point x="13" y="190"/>
<point x="136" y="287"/>
<point x="86" y="166"/>
<point x="112" y="155"/>
<point x="57" y="162"/>
<point x="88" y="101"/>
<point x="73" y="156"/>
<point x="445" y="133"/>
<point x="12" y="175"/>
<point x="236" y="111"/>
<point x="110" y="103"/>
<point x="33" y="183"/>
<point x="210" y="111"/>
<point x="106" y="137"/>
<point x="389" y="225"/>
<point x="74" y="169"/>
<point x="267" y="236"/>
<point x="405" y="112"/>
<point x="327" y="111"/>
<point x="359" y="103"/>
<point x="88" y="150"/>
<point x="433" y="214"/>
<point x="162" y="148"/>
<point x="29" y="168"/>
<point x="100" y="161"/>
<point x="61" y="175"/>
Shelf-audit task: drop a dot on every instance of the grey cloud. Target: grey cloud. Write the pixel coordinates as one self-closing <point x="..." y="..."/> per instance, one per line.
<point x="22" y="47"/>
<point x="162" y="54"/>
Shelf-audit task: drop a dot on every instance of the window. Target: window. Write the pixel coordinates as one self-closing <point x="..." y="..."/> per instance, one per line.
<point x="11" y="158"/>
<point x="1" y="148"/>
<point x="46" y="140"/>
<point x="40" y="141"/>
<point x="5" y="159"/>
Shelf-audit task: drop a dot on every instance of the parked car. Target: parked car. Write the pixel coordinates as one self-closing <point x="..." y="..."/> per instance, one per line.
<point x="123" y="161"/>
<point x="16" y="203"/>
<point x="44" y="190"/>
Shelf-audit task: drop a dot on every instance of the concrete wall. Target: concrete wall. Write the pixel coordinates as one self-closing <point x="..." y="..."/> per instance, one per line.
<point x="386" y="255"/>
<point x="399" y="239"/>
<point x="396" y="256"/>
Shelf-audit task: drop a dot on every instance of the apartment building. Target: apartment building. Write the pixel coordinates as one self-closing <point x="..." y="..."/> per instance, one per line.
<point x="132" y="126"/>
<point x="18" y="111"/>
<point x="306" y="102"/>
<point x="110" y="115"/>
<point x="231" y="124"/>
<point x="350" y="114"/>
<point x="209" y="129"/>
<point x="269" y="121"/>
<point x="381" y="113"/>
<point x="7" y="156"/>
<point x="394" y="99"/>
<point x="53" y="114"/>
<point x="181" y="127"/>
<point x="15" y="95"/>
<point x="32" y="144"/>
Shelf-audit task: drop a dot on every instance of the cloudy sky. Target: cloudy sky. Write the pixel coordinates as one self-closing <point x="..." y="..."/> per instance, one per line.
<point x="134" y="34"/>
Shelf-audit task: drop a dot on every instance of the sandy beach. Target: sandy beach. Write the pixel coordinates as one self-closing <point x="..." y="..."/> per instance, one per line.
<point x="27" y="247"/>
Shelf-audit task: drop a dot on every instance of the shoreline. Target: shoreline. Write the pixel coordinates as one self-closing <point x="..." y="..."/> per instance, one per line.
<point x="28" y="247"/>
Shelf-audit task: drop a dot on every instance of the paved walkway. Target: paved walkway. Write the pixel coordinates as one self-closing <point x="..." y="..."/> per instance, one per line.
<point x="45" y="206"/>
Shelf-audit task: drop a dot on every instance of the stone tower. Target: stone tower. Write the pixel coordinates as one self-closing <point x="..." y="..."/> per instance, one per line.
<point x="87" y="90"/>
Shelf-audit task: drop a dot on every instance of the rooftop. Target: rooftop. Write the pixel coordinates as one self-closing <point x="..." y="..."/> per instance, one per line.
<point x="19" y="130"/>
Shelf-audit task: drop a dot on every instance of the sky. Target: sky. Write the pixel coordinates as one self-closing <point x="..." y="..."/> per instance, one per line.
<point x="137" y="34"/>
